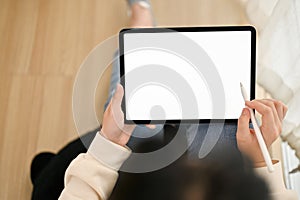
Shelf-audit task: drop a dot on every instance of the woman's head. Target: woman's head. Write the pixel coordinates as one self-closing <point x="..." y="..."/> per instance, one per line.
<point x="226" y="176"/>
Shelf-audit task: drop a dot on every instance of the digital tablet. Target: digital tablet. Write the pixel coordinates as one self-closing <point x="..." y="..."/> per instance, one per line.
<point x="186" y="74"/>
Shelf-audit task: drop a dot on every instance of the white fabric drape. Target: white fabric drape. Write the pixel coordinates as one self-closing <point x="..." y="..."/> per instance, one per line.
<point x="278" y="63"/>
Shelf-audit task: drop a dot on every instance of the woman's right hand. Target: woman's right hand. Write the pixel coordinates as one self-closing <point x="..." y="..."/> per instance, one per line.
<point x="272" y="112"/>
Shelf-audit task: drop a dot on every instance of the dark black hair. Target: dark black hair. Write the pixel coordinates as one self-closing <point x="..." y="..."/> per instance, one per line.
<point x="223" y="176"/>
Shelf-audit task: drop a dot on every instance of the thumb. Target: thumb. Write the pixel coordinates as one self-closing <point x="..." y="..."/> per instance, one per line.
<point x="243" y="122"/>
<point x="118" y="96"/>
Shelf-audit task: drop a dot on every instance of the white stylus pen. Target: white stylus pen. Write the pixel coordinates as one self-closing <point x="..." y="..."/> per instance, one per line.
<point x="258" y="134"/>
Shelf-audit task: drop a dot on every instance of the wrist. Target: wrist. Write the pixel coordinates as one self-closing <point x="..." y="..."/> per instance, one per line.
<point x="117" y="140"/>
<point x="256" y="158"/>
<point x="263" y="164"/>
<point x="259" y="164"/>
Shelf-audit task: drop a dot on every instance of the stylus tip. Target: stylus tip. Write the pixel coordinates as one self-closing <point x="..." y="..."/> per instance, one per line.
<point x="241" y="84"/>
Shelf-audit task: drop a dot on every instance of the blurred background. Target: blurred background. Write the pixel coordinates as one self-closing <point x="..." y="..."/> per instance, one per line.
<point x="44" y="42"/>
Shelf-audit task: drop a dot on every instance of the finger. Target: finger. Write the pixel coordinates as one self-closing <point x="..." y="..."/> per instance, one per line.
<point x="277" y="121"/>
<point x="115" y="109"/>
<point x="243" y="122"/>
<point x="118" y="96"/>
<point x="274" y="110"/>
<point x="285" y="109"/>
<point x="151" y="126"/>
<point x="265" y="111"/>
<point x="279" y="107"/>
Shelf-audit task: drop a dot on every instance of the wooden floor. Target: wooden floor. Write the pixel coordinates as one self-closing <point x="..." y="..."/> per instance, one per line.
<point x="42" y="44"/>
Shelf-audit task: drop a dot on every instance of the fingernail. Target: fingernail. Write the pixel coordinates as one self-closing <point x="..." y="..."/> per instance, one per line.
<point x="244" y="112"/>
<point x="151" y="126"/>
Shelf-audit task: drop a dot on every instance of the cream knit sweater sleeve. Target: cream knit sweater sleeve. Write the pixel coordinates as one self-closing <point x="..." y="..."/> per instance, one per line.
<point x="276" y="184"/>
<point x="92" y="175"/>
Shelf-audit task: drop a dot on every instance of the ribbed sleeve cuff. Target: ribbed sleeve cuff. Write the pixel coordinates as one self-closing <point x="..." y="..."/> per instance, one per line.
<point x="274" y="179"/>
<point x="108" y="153"/>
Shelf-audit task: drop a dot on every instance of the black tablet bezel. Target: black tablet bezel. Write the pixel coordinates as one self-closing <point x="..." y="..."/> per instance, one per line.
<point x="186" y="29"/>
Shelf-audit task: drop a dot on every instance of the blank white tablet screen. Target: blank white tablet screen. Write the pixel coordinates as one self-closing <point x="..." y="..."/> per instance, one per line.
<point x="153" y="99"/>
